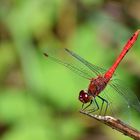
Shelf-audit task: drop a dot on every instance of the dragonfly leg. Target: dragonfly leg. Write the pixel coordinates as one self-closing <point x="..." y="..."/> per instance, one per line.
<point x="84" y="108"/>
<point x="103" y="101"/>
<point x="95" y="108"/>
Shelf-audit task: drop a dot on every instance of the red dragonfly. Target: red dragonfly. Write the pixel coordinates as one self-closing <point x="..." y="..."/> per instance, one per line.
<point x="98" y="84"/>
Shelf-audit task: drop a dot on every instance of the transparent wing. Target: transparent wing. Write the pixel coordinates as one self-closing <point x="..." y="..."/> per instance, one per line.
<point x="117" y="106"/>
<point x="77" y="70"/>
<point x="79" y="64"/>
<point x="97" y="70"/>
<point x="129" y="97"/>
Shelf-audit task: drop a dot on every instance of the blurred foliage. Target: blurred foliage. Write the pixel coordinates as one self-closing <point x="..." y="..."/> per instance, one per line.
<point x="38" y="98"/>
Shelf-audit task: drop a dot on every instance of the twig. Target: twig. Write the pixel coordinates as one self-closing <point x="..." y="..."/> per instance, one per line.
<point x="116" y="124"/>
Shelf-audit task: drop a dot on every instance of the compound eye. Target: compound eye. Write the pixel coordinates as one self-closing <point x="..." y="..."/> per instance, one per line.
<point x="84" y="97"/>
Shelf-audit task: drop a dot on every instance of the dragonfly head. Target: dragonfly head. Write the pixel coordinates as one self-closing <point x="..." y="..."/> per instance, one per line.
<point x="84" y="96"/>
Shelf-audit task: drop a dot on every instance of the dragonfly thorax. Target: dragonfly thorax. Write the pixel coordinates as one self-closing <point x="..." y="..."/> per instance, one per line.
<point x="97" y="85"/>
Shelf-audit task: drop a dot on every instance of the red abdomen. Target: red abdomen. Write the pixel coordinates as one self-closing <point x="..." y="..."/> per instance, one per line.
<point x="97" y="85"/>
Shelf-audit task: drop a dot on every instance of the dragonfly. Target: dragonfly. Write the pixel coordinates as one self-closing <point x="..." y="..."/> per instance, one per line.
<point x="102" y="80"/>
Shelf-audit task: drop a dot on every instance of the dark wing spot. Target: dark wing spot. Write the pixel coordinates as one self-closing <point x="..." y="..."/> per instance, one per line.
<point x="45" y="54"/>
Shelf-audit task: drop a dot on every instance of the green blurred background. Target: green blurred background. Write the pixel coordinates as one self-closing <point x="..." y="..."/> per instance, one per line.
<point x="39" y="98"/>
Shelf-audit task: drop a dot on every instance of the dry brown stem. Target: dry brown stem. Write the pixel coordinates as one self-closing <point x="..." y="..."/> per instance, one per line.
<point x="116" y="124"/>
